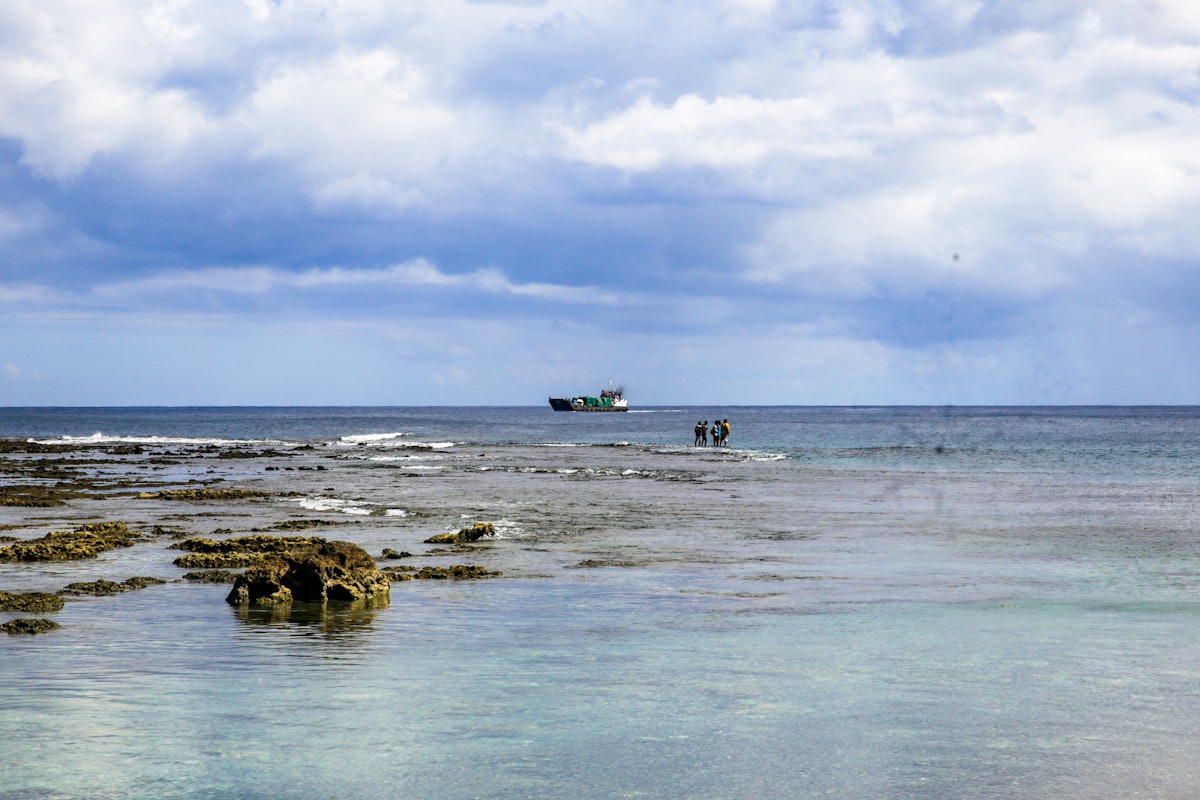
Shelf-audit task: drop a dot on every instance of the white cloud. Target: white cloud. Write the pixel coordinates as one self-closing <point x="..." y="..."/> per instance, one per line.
<point x="726" y="132"/>
<point x="841" y="153"/>
<point x="216" y="282"/>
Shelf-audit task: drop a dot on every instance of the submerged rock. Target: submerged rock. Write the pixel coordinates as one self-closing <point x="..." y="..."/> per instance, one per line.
<point x="37" y="602"/>
<point x="86" y="541"/>
<point x="464" y="536"/>
<point x="329" y="571"/>
<point x="29" y="625"/>
<point x="102" y="587"/>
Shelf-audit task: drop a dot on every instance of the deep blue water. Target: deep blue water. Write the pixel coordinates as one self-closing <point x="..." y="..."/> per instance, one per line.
<point x="847" y="602"/>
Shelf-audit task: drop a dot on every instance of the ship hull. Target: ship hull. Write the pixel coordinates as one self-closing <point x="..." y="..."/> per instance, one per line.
<point x="577" y="404"/>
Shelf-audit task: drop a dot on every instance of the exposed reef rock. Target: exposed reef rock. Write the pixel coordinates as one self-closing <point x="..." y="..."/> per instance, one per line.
<point x="30" y="497"/>
<point x="221" y="560"/>
<point x="240" y="551"/>
<point x="36" y="602"/>
<point x="103" y="587"/>
<point x="258" y="543"/>
<point x="457" y="572"/>
<point x="29" y="446"/>
<point x="464" y="536"/>
<point x="315" y="573"/>
<point x="392" y="554"/>
<point x="202" y="494"/>
<point x="302" y="524"/>
<point x="250" y="454"/>
<point x="211" y="576"/>
<point x="86" y="541"/>
<point x="29" y="625"/>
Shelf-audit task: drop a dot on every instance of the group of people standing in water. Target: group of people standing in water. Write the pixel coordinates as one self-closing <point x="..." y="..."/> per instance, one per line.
<point x="719" y="432"/>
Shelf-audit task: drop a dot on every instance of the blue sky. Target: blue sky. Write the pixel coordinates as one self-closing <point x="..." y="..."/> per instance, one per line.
<point x="721" y="201"/>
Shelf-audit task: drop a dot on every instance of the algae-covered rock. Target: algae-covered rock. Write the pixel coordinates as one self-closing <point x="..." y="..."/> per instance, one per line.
<point x="329" y="571"/>
<point x="240" y="551"/>
<point x="457" y="572"/>
<point x="31" y="497"/>
<point x="202" y="494"/>
<point x="211" y="576"/>
<point x="86" y="541"/>
<point x="258" y="543"/>
<point x="303" y="524"/>
<point x="29" y="625"/>
<point x="221" y="560"/>
<point x="102" y="587"/>
<point x="262" y="586"/>
<point x="97" y="588"/>
<point x="400" y="573"/>
<point x="36" y="602"/>
<point x="389" y="553"/>
<point x="464" y="536"/>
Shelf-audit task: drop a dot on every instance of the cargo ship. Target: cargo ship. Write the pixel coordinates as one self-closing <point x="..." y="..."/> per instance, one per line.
<point x="608" y="400"/>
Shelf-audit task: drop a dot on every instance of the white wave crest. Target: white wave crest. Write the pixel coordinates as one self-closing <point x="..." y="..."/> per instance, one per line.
<point x="334" y="504"/>
<point x="372" y="438"/>
<point x="102" y="438"/>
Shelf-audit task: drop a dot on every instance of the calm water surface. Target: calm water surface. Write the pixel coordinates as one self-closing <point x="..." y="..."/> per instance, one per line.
<point x="847" y="603"/>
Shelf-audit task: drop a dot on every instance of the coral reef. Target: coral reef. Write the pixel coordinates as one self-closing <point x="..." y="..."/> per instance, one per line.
<point x="202" y="494"/>
<point x="30" y="625"/>
<point x="329" y="571"/>
<point x="457" y="572"/>
<point x="211" y="576"/>
<point x="102" y="587"/>
<point x="35" y="602"/>
<point x="392" y="554"/>
<point x="86" y="541"/>
<point x="464" y="536"/>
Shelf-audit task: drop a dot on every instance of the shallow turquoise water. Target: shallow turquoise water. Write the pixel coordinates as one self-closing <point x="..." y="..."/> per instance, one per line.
<point x="1012" y="616"/>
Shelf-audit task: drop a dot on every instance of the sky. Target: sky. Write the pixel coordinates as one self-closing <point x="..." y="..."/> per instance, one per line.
<point x="795" y="202"/>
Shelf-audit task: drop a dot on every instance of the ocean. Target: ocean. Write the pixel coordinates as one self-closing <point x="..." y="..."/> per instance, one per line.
<point x="842" y="603"/>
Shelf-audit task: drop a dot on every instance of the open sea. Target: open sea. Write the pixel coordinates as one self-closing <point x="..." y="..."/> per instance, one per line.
<point x="933" y="603"/>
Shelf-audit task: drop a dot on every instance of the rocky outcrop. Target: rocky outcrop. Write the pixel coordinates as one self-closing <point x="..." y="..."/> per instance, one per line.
<point x="33" y="496"/>
<point x="248" y="544"/>
<point x="102" y="587"/>
<point x="240" y="551"/>
<point x="36" y="602"/>
<point x="315" y="573"/>
<point x="211" y="576"/>
<point x="464" y="536"/>
<point x="29" y="625"/>
<point x="456" y="572"/>
<point x="221" y="560"/>
<point x="202" y="494"/>
<point x="389" y="553"/>
<point x="86" y="541"/>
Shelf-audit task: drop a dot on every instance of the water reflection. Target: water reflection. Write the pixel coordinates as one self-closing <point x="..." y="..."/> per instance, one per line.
<point x="333" y="620"/>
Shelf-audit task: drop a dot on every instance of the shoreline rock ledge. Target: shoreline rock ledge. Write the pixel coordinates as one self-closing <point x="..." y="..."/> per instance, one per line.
<point x="318" y="573"/>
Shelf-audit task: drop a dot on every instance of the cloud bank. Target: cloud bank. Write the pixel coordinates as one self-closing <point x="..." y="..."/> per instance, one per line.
<point x="821" y="201"/>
